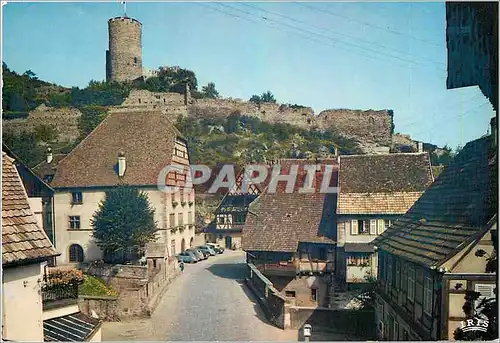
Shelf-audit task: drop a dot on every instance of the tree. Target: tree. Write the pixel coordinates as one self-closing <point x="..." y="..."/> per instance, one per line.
<point x="124" y="224"/>
<point x="45" y="133"/>
<point x="255" y="99"/>
<point x="267" y="97"/>
<point x="210" y="92"/>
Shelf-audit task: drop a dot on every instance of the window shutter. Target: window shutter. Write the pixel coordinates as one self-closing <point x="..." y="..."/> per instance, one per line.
<point x="486" y="290"/>
<point x="373" y="226"/>
<point x="354" y="227"/>
<point x="380" y="226"/>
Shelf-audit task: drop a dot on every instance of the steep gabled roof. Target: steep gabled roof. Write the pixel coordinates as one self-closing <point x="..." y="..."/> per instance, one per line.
<point x="147" y="138"/>
<point x="23" y="241"/>
<point x="45" y="170"/>
<point x="382" y="184"/>
<point x="279" y="221"/>
<point x="452" y="212"/>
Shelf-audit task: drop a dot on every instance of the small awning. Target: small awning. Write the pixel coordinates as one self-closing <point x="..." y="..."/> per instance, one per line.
<point x="74" y="327"/>
<point x="358" y="247"/>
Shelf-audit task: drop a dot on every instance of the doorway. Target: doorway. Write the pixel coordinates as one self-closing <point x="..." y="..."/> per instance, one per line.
<point x="229" y="242"/>
<point x="183" y="245"/>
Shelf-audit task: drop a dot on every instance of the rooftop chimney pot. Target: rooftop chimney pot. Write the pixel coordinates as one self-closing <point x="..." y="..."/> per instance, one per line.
<point x="121" y="163"/>
<point x="49" y="155"/>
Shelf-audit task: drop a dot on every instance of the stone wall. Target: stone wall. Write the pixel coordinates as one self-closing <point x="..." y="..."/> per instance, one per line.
<point x="64" y="120"/>
<point x="355" y="322"/>
<point x="139" y="287"/>
<point x="106" y="308"/>
<point x="373" y="127"/>
<point x="275" y="305"/>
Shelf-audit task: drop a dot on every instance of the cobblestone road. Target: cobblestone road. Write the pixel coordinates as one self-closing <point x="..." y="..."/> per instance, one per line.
<point x="207" y="302"/>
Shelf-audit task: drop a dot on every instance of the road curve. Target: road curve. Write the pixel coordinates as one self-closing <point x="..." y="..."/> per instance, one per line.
<point x="208" y="302"/>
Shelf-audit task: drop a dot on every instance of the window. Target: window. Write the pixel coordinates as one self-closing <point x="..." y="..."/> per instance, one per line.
<point x="172" y="246"/>
<point x="428" y="296"/>
<point x="172" y="219"/>
<point x="411" y="283"/>
<point x="75" y="253"/>
<point x="358" y="259"/>
<point x="74" y="222"/>
<point x="364" y="227"/>
<point x="180" y="219"/>
<point x="387" y="223"/>
<point x="135" y="60"/>
<point x="486" y="290"/>
<point x="221" y="220"/>
<point x="239" y="218"/>
<point x="290" y="294"/>
<point x="76" y="198"/>
<point x="190" y="218"/>
<point x="314" y="294"/>
<point x="154" y="263"/>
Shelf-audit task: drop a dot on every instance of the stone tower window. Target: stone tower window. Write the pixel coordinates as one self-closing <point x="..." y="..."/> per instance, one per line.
<point x="135" y="60"/>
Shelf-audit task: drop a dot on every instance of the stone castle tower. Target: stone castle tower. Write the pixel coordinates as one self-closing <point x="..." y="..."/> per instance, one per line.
<point x="124" y="55"/>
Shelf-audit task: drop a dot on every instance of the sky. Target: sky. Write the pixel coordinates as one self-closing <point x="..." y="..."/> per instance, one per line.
<point x="351" y="55"/>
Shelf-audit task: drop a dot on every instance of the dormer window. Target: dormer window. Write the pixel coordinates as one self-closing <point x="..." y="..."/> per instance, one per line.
<point x="76" y="198"/>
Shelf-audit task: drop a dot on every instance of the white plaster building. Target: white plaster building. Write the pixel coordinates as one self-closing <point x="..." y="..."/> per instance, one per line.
<point x="130" y="148"/>
<point x="374" y="191"/>
<point x="25" y="251"/>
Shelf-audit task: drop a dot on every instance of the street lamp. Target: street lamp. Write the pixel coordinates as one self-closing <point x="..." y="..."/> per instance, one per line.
<point x="307" y="331"/>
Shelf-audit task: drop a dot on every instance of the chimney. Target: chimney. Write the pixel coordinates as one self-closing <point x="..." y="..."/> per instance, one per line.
<point x="335" y="150"/>
<point x="420" y="146"/>
<point x="49" y="155"/>
<point x="121" y="163"/>
<point x="494" y="130"/>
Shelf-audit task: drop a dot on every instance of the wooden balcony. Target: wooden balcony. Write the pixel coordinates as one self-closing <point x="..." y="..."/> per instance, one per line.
<point x="279" y="269"/>
<point x="316" y="267"/>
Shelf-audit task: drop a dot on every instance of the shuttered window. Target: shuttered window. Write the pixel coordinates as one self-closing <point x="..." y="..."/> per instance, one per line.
<point x="354" y="227"/>
<point x="380" y="226"/>
<point x="373" y="227"/>
<point x="487" y="292"/>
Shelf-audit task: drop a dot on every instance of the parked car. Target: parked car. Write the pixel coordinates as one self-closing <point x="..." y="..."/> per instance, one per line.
<point x="205" y="253"/>
<point x="216" y="247"/>
<point x="197" y="253"/>
<point x="207" y="248"/>
<point x="190" y="254"/>
<point x="186" y="258"/>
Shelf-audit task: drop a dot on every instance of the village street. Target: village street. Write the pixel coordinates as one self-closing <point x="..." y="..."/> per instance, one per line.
<point x="207" y="302"/>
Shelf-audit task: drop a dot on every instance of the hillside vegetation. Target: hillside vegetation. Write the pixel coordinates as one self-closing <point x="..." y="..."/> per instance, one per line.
<point x="237" y="139"/>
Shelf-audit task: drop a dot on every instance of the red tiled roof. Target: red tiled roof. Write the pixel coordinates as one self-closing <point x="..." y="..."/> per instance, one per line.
<point x="22" y="239"/>
<point x="382" y="184"/>
<point x="279" y="221"/>
<point x="147" y="138"/>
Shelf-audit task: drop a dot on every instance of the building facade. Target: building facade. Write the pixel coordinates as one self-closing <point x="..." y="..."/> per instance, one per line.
<point x="127" y="148"/>
<point x="438" y="250"/>
<point x="26" y="249"/>
<point x="472" y="44"/>
<point x="291" y="237"/>
<point x="374" y="191"/>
